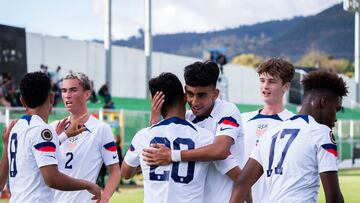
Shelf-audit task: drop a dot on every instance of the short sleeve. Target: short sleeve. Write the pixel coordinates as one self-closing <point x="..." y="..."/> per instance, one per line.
<point x="224" y="166"/>
<point x="108" y="150"/>
<point x="44" y="143"/>
<point x="132" y="157"/>
<point x="326" y="149"/>
<point x="255" y="154"/>
<point x="230" y="126"/>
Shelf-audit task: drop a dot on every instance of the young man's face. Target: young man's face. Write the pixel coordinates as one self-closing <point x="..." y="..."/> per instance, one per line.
<point x="328" y="116"/>
<point x="201" y="99"/>
<point x="74" y="96"/>
<point x="272" y="88"/>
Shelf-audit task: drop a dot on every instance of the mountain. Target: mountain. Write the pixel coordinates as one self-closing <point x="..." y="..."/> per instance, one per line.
<point x="331" y="31"/>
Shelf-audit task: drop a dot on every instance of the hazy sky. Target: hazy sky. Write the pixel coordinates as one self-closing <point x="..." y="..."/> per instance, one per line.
<point x="84" y="19"/>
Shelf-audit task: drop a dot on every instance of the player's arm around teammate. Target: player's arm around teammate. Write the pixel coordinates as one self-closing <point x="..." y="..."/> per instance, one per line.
<point x="161" y="155"/>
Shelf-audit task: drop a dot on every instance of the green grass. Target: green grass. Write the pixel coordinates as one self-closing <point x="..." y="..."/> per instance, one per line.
<point x="349" y="183"/>
<point x="128" y="194"/>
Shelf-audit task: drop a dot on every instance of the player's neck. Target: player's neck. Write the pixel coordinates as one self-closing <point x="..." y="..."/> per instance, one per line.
<point x="39" y="111"/>
<point x="77" y="115"/>
<point x="271" y="109"/>
<point x="176" y="112"/>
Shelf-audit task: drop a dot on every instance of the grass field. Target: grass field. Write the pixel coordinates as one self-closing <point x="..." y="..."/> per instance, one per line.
<point x="349" y="183"/>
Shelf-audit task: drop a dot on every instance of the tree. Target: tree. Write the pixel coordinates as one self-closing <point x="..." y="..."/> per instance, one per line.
<point x="247" y="60"/>
<point x="321" y="60"/>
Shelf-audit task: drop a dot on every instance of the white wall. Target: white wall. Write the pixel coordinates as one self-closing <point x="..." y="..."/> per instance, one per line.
<point x="128" y="67"/>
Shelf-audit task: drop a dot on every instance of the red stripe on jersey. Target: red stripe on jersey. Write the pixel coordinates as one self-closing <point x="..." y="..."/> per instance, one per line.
<point x="111" y="149"/>
<point x="47" y="149"/>
<point x="227" y="122"/>
<point x="332" y="151"/>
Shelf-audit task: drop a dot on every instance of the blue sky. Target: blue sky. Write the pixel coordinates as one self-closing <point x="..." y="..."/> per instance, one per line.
<point x="84" y="19"/>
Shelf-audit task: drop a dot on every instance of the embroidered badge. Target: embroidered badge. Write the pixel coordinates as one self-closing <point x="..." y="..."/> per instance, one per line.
<point x="46" y="135"/>
<point x="332" y="137"/>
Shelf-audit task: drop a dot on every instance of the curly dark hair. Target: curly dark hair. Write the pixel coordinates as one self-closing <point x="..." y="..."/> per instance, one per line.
<point x="277" y="67"/>
<point x="201" y="74"/>
<point x="170" y="86"/>
<point x="324" y="80"/>
<point x="35" y="88"/>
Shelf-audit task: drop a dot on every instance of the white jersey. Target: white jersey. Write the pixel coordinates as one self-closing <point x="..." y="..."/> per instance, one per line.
<point x="82" y="156"/>
<point x="292" y="155"/>
<point x="32" y="145"/>
<point x="255" y="125"/>
<point x="224" y="119"/>
<point x="179" y="181"/>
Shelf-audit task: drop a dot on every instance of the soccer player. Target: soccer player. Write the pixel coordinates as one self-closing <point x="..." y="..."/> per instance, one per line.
<point x="179" y="181"/>
<point x="4" y="163"/>
<point x="33" y="145"/>
<point x="222" y="118"/>
<point x="275" y="76"/>
<point x="82" y="156"/>
<point x="294" y="154"/>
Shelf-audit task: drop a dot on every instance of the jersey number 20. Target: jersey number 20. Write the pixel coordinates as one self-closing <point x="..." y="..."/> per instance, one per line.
<point x="175" y="169"/>
<point x="278" y="169"/>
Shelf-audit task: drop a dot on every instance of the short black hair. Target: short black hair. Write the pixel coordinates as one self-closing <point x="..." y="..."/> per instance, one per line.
<point x="170" y="86"/>
<point x="324" y="80"/>
<point x="35" y="88"/>
<point x="201" y="74"/>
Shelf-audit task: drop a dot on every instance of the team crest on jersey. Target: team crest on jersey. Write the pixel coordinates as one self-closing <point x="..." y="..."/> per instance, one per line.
<point x="72" y="142"/>
<point x="46" y="135"/>
<point x="332" y="137"/>
<point x="261" y="129"/>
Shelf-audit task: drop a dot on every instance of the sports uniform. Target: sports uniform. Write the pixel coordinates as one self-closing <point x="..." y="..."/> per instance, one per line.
<point x="292" y="155"/>
<point x="178" y="181"/>
<point x="81" y="157"/>
<point x="32" y="145"/>
<point x="224" y="119"/>
<point x="255" y="125"/>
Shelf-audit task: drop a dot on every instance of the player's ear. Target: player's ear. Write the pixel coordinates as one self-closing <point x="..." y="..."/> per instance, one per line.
<point x="87" y="94"/>
<point x="286" y="86"/>
<point x="323" y="102"/>
<point x="51" y="95"/>
<point x="184" y="98"/>
<point x="23" y="102"/>
<point x="216" y="93"/>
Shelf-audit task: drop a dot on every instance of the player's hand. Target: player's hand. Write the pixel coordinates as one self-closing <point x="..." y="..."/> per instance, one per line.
<point x="61" y="125"/>
<point x="76" y="127"/>
<point x="104" y="200"/>
<point x="157" y="155"/>
<point x="6" y="132"/>
<point x="156" y="103"/>
<point x="96" y="191"/>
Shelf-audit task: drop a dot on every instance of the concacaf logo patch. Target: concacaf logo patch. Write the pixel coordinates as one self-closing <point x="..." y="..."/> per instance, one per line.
<point x="46" y="135"/>
<point x="332" y="137"/>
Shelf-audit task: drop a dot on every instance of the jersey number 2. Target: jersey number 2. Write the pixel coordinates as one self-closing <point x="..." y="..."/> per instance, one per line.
<point x="175" y="169"/>
<point x="67" y="164"/>
<point x="278" y="169"/>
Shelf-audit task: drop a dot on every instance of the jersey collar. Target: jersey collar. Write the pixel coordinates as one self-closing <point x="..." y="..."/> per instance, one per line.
<point x="175" y="120"/>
